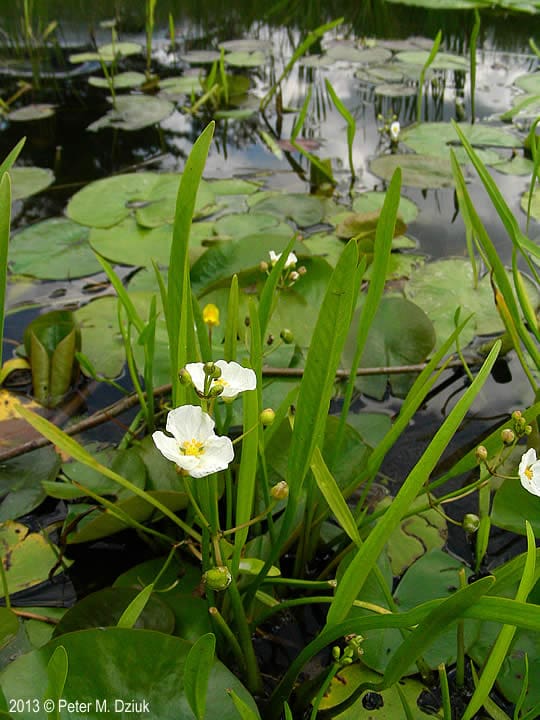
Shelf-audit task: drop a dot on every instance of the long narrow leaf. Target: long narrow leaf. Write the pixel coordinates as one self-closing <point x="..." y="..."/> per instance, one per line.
<point x="12" y="157"/>
<point x="198" y="665"/>
<point x="5" y="220"/>
<point x="361" y="565"/>
<point x="133" y="611"/>
<point x="179" y="312"/>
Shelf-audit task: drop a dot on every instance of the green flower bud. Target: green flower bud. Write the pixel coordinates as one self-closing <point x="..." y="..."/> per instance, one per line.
<point x="217" y="373"/>
<point x="215" y="390"/>
<point x="287" y="336"/>
<point x="280" y="491"/>
<point x="336" y="653"/>
<point x="209" y="368"/>
<point x="508" y="436"/>
<point x="267" y="417"/>
<point x="528" y="429"/>
<point x="217" y="578"/>
<point x="481" y="453"/>
<point x="471" y="523"/>
<point x="185" y="377"/>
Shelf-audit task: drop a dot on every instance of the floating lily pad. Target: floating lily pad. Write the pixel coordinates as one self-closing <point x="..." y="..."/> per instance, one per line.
<point x="54" y="249"/>
<point x="28" y="181"/>
<point x="120" y="676"/>
<point x="389" y="343"/>
<point x="395" y="90"/>
<point x="201" y="57"/>
<point x="37" y="111"/>
<point x="315" y="61"/>
<point x="233" y="186"/>
<point x="535" y="203"/>
<point x="443" y="61"/>
<point x="107" y="53"/>
<point x="530" y="82"/>
<point x="106" y="202"/>
<point x="238" y="226"/>
<point x="130" y="244"/>
<point x="21" y="478"/>
<point x="121" y="81"/>
<point x="350" y="53"/>
<point x="159" y="205"/>
<point x="421" y="171"/>
<point x="304" y="210"/>
<point x="246" y="45"/>
<point x="236" y="114"/>
<point x="134" y="112"/>
<point x="184" y="85"/>
<point x="380" y="73"/>
<point x="518" y="165"/>
<point x="436" y="139"/>
<point x="101" y="340"/>
<point x="369" y="201"/>
<point x="254" y="58"/>
<point x="363" y="226"/>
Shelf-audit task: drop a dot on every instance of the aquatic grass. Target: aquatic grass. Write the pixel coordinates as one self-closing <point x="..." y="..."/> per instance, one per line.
<point x="472" y="62"/>
<point x="149" y="27"/>
<point x="5" y="221"/>
<point x="179" y="315"/>
<point x="431" y="57"/>
<point x="349" y="119"/>
<point x="325" y="171"/>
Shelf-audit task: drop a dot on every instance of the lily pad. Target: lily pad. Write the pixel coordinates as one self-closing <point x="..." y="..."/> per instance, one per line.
<point x="183" y="85"/>
<point x="28" y="181"/>
<point x="369" y="201"/>
<point x="134" y="112"/>
<point x="237" y="226"/>
<point x="246" y="45"/>
<point x="443" y="61"/>
<point x="121" y="81"/>
<point x="530" y="83"/>
<point x="130" y="244"/>
<point x="233" y="186"/>
<point x="235" y="114"/>
<point x="395" y="90"/>
<point x="120" y="676"/>
<point x="390" y="343"/>
<point x="159" y="206"/>
<point x="535" y="203"/>
<point x="101" y="340"/>
<point x="107" y="53"/>
<point x="55" y="249"/>
<point x="21" y="479"/>
<point x="106" y="202"/>
<point x="29" y="113"/>
<point x="201" y="57"/>
<point x="254" y="58"/>
<point x="303" y="210"/>
<point x="420" y="171"/>
<point x="380" y="74"/>
<point x="374" y="705"/>
<point x="518" y="165"/>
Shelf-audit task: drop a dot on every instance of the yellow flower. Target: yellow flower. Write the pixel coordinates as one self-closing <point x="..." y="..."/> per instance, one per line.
<point x="210" y="315"/>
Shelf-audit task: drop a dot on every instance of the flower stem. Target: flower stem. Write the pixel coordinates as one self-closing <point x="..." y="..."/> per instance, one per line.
<point x="253" y="675"/>
<point x="230" y="637"/>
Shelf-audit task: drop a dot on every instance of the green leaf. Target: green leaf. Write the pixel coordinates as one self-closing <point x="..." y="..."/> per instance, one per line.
<point x="303" y="210"/>
<point x="5" y="220"/>
<point x="442" y="61"/>
<point x="12" y="157"/>
<point x="332" y="494"/>
<point x="29" y="181"/>
<point x="55" y="249"/>
<point x="128" y="243"/>
<point x="420" y="171"/>
<point x="197" y="673"/>
<point x="120" y="675"/>
<point x="57" y="671"/>
<point x="21" y="481"/>
<point x="101" y="341"/>
<point x="364" y="559"/>
<point x="9" y="626"/>
<point x="120" y="81"/>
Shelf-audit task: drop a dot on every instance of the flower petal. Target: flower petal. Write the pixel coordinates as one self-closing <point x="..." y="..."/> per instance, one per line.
<point x="196" y="372"/>
<point x="236" y="378"/>
<point x="167" y="446"/>
<point x="189" y="421"/>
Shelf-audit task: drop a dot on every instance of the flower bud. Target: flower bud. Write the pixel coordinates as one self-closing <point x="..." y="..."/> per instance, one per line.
<point x="280" y="491"/>
<point x="481" y="453"/>
<point x="293" y="277"/>
<point x="508" y="436"/>
<point x="336" y="653"/>
<point x="528" y="429"/>
<point x="287" y="336"/>
<point x="263" y="266"/>
<point x="302" y="270"/>
<point x="185" y="377"/>
<point x="209" y="368"/>
<point x="217" y="373"/>
<point x="470" y="523"/>
<point x="516" y="415"/>
<point x="217" y="578"/>
<point x="267" y="417"/>
<point x="215" y="390"/>
<point x="210" y="315"/>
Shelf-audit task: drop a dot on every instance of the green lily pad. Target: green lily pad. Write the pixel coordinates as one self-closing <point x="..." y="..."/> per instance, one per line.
<point x="121" y="81"/>
<point x="369" y="201"/>
<point x="535" y="203"/>
<point x="28" y="181"/>
<point x="55" y="249"/>
<point x="233" y="186"/>
<point x="130" y="244"/>
<point x="363" y="226"/>
<point x="442" y="286"/>
<point x="246" y="45"/>
<point x="390" y="343"/>
<point x="235" y="114"/>
<point x="380" y="74"/>
<point x="183" y="85"/>
<point x="443" y="61"/>
<point x="106" y="202"/>
<point x="238" y="226"/>
<point x="254" y="58"/>
<point x="530" y="83"/>
<point x="325" y="245"/>
<point x="28" y="557"/>
<point x="36" y="111"/>
<point x="518" y="165"/>
<point x="436" y="138"/>
<point x="159" y="206"/>
<point x="105" y="607"/>
<point x="120" y="676"/>
<point x="201" y="57"/>
<point x="344" y="51"/>
<point x="420" y="171"/>
<point x="513" y="506"/>
<point x="21" y="479"/>
<point x="101" y="340"/>
<point x="303" y="210"/>
<point x="394" y="90"/>
<point x="376" y="706"/>
<point x="315" y="61"/>
<point x="134" y="112"/>
<point x="107" y="53"/>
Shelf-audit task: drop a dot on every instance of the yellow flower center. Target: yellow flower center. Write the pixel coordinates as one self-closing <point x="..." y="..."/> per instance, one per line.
<point x="529" y="472"/>
<point x="211" y="315"/>
<point x="192" y="447"/>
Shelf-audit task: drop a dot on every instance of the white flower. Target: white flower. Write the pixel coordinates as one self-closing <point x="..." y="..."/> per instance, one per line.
<point x="529" y="472"/>
<point x="194" y="447"/>
<point x="290" y="262"/>
<point x="395" y="128"/>
<point x="234" y="378"/>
